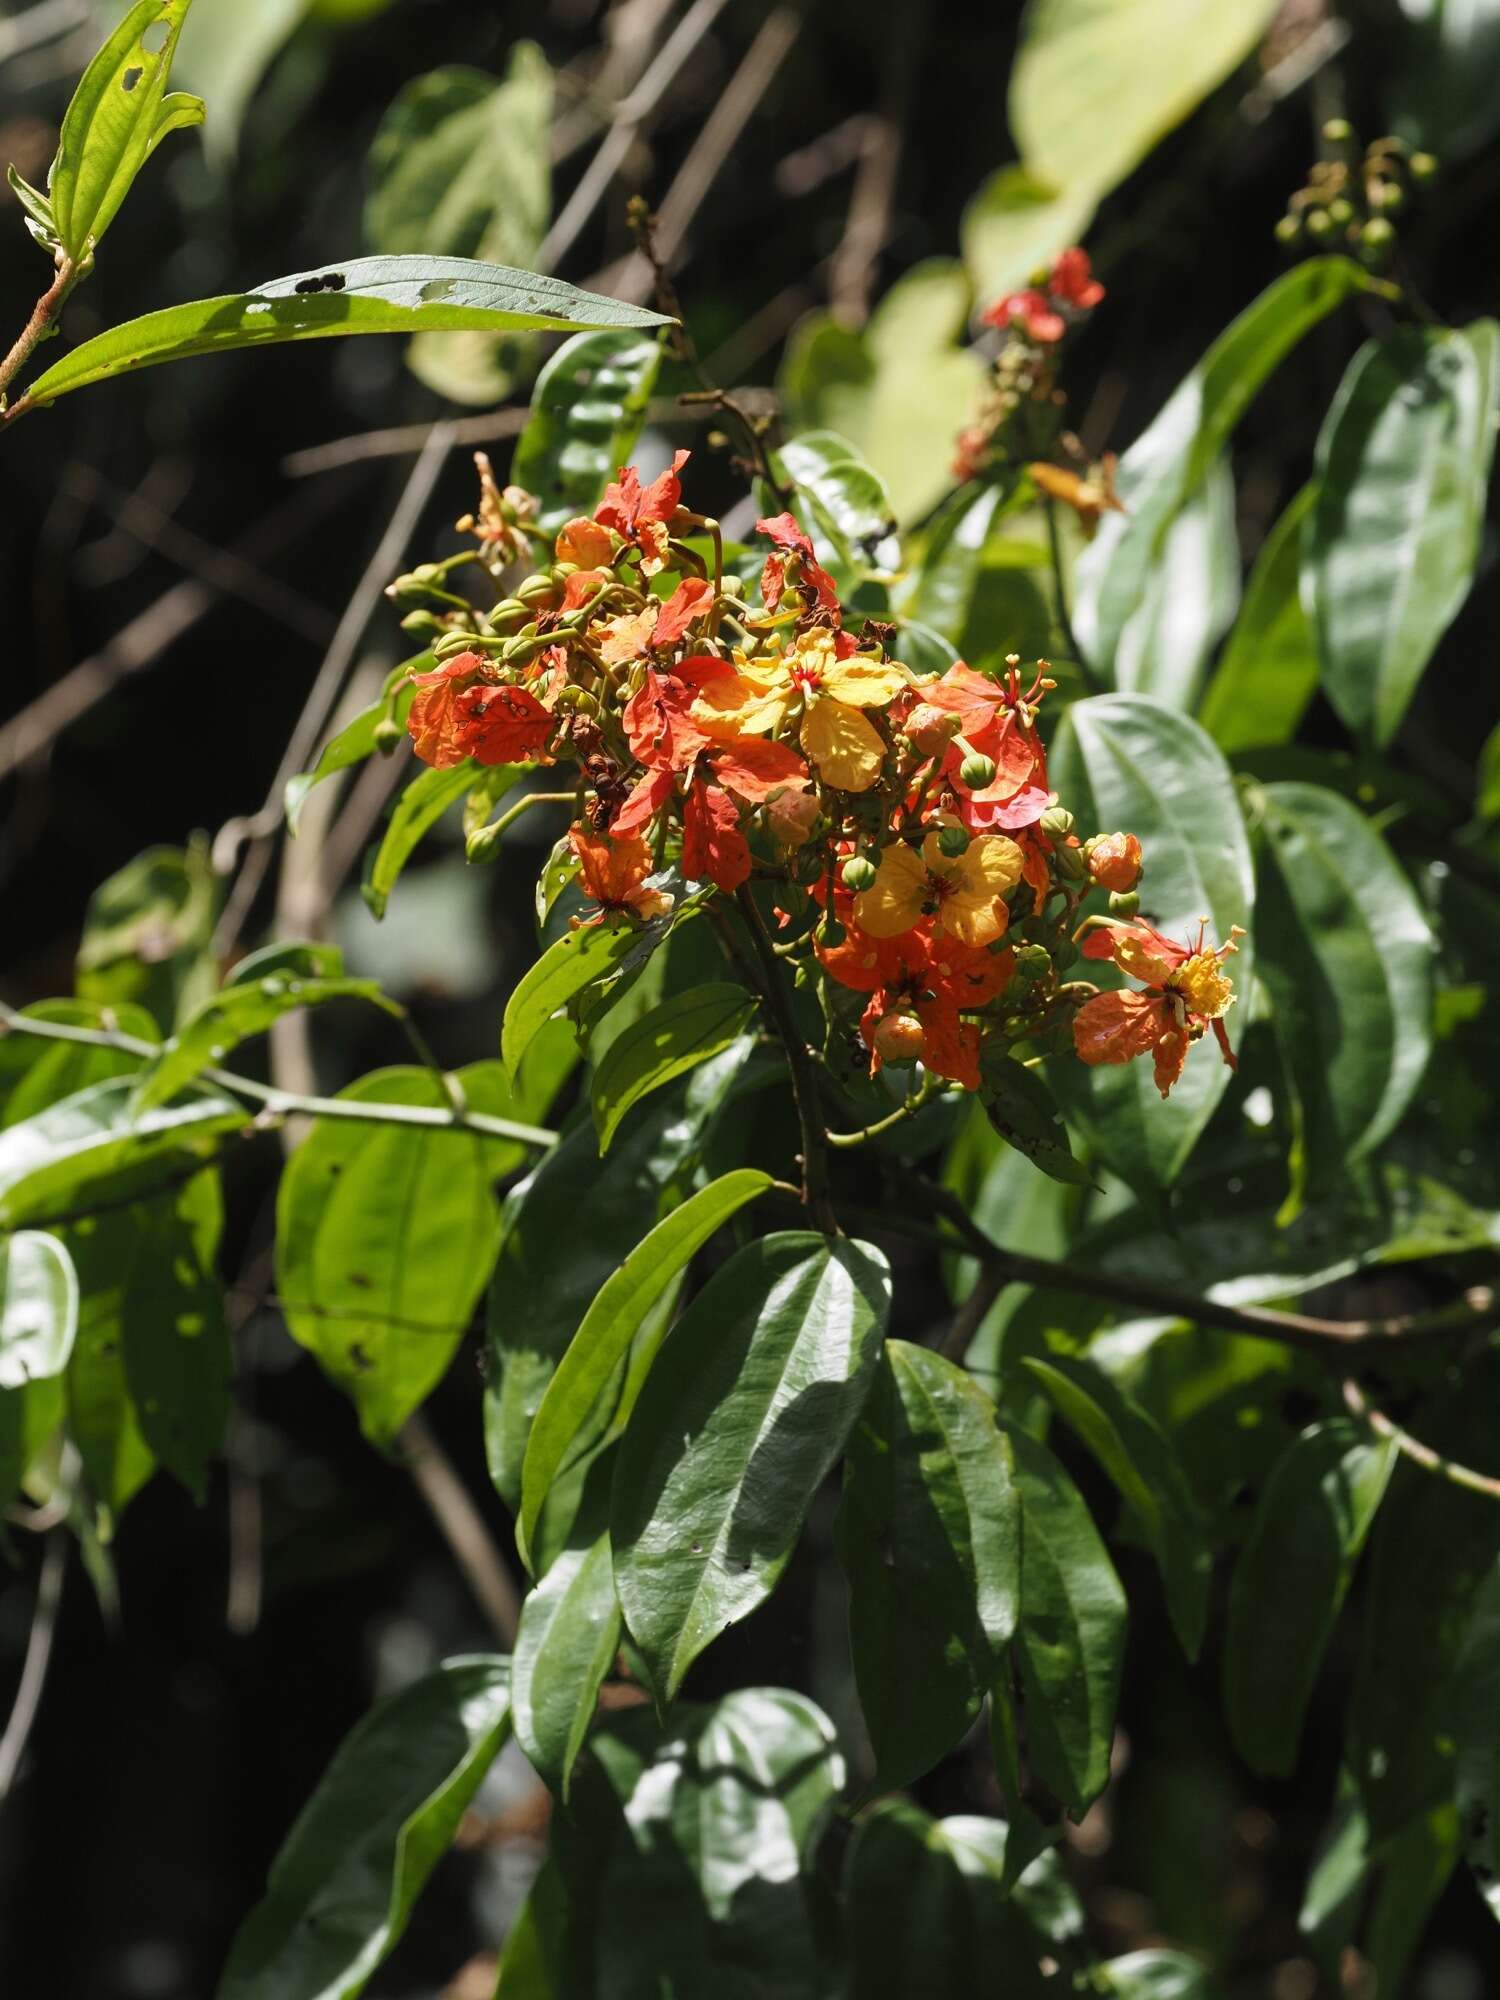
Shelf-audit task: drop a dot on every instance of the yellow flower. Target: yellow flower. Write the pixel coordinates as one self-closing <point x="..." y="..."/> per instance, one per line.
<point x="846" y="750"/>
<point x="962" y="894"/>
<point x="1203" y="984"/>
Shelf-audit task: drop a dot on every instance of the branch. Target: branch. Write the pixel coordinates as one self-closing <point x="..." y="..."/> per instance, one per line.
<point x="285" y="1103"/>
<point x="816" y="1197"/>
<point x="1412" y="1448"/>
<point x="1478" y="1311"/>
<point x="38" y="1657"/>
<point x="43" y="316"/>
<point x="462" y="1527"/>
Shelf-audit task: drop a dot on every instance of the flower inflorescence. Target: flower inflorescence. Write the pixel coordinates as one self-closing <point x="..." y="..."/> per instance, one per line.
<point x="918" y="859"/>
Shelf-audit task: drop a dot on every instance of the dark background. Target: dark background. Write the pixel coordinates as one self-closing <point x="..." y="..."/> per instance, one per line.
<point x="172" y="1754"/>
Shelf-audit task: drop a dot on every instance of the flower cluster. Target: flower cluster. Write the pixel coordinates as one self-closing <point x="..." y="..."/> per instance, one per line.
<point x="925" y="878"/>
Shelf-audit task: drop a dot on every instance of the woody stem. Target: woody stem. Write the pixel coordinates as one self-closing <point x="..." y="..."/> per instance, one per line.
<point x="36" y="329"/>
<point x="816" y="1197"/>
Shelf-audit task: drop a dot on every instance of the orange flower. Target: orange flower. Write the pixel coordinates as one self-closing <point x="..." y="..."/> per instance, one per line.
<point x="456" y="714"/>
<point x="1114" y="861"/>
<point x="687" y="603"/>
<point x="963" y="894"/>
<point x="640" y="515"/>
<point x="921" y="979"/>
<point x="1187" y="991"/>
<point x="793" y="551"/>
<point x="831" y="686"/>
<point x="586" y="543"/>
<point x="1089" y="497"/>
<point x="613" y="873"/>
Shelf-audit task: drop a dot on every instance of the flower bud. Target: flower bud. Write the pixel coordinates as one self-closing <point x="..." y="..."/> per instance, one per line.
<point x="1057" y="822"/>
<point x="1341" y="211"/>
<point x="1387" y="196"/>
<point x="422" y="621"/>
<point x="1319" y="224"/>
<point x="1422" y="167"/>
<point x="899" y="1038"/>
<point x="1069" y="863"/>
<point x="1376" y="240"/>
<point x="931" y="729"/>
<point x="387" y="735"/>
<point x="859" y="873"/>
<point x="953" y="841"/>
<point x="483" y="844"/>
<point x="1289" y="229"/>
<point x="1033" y="961"/>
<point x="537" y="590"/>
<point x="1114" y="861"/>
<point x="1124" y="903"/>
<point x="831" y="932"/>
<point x="1338" y="131"/>
<point x="977" y="771"/>
<point x="1065" y="953"/>
<point x="791" y="816"/>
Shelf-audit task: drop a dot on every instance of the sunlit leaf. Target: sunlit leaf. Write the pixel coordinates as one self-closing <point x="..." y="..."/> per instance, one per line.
<point x="565" y="1645"/>
<point x="587" y="409"/>
<point x="1268" y="672"/>
<point x="665" y="1043"/>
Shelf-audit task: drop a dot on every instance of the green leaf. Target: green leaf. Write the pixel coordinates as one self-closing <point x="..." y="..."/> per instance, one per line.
<point x="538" y="1299"/>
<point x="1168" y="463"/>
<point x="1140" y="1460"/>
<point x="90" y="1149"/>
<point x="1190" y="593"/>
<point x="356" y="740"/>
<point x="665" y="1043"/>
<point x="461" y="167"/>
<point x="688" y="1857"/>
<point x="1269" y="669"/>
<point x="226" y="51"/>
<point x="1478" y="1774"/>
<point x="35" y="1073"/>
<point x="343" y="1885"/>
<point x="115" y="120"/>
<point x="929" y="1535"/>
<point x="566" y="1644"/>
<point x="1418" y="1865"/>
<point x="848" y="502"/>
<point x="744" y="1413"/>
<point x="146" y="935"/>
<point x="1290" y="1581"/>
<point x="416" y="812"/>
<point x="173" y="1337"/>
<point x="364" y="295"/>
<point x="1441" y="75"/>
<point x="900" y="391"/>
<point x="41" y="224"/>
<point x="385" y="1238"/>
<point x="236" y="1013"/>
<point x="587" y="409"/>
<point x="1017" y="223"/>
<point x="38" y="1308"/>
<point x="536" y="1943"/>
<point x="943" y="589"/>
<point x="1024" y="1112"/>
<point x="1124" y="761"/>
<point x="565" y="968"/>
<point x="1071" y="1638"/>
<point x="1160" y="1975"/>
<point x="1403" y="475"/>
<point x="577" y="1406"/>
<point x="1347" y="957"/>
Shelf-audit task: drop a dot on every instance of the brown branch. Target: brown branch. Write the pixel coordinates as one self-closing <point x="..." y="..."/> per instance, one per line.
<point x="1413" y="1448"/>
<point x="33" y="1681"/>
<point x="462" y="1527"/>
<point x="43" y="316"/>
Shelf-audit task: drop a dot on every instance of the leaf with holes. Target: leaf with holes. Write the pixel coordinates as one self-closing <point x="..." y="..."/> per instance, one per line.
<point x="1024" y="1112"/>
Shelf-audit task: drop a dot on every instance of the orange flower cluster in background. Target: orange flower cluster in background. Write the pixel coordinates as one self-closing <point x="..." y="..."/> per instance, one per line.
<point x="903" y="822"/>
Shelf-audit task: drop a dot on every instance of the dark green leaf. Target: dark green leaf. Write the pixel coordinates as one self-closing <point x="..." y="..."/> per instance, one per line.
<point x="386" y="1236"/>
<point x="929" y="1535"/>
<point x="1126" y="762"/>
<point x="1138" y="1457"/>
<point x="35" y="1073"/>
<point x="1269" y="669"/>
<point x="1347" y="956"/>
<point x="1160" y="1975"/>
<point x="364" y="295"/>
<point x="1403" y="473"/>
<point x="1289" y="1583"/>
<point x="116" y="118"/>
<point x="565" y="968"/>
<point x="1477" y="1710"/>
<point x="745" y="1411"/>
<point x="665" y="1043"/>
<point x="1168" y="463"/>
<point x="538" y="1299"/>
<point x="240" y="1010"/>
<point x="536" y="1943"/>
<point x="577" y="1406"/>
<point x="419" y="808"/>
<point x="146" y="935"/>
<point x="1071" y="1637"/>
<point x="687" y="1858"/>
<point x="90" y="1149"/>
<point x="1441" y="74"/>
<point x="1024" y="1112"/>
<point x="566" y="1644"/>
<point x="356" y="740"/>
<point x="342" y="1887"/>
<point x="586" y="413"/>
<point x="944" y="587"/>
<point x="1418" y="1865"/>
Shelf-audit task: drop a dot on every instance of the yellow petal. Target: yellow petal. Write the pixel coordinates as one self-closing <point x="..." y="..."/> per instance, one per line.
<point x="745" y="700"/>
<point x="847" y="751"/>
<point x="991" y="865"/>
<point x="894" y="902"/>
<point x="973" y="918"/>
<point x="862" y="683"/>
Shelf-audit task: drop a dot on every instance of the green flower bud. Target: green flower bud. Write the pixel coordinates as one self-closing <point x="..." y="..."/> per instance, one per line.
<point x="1064" y="954"/>
<point x="1070" y="864"/>
<point x="977" y="771"/>
<point x="422" y="621"/>
<point x="1124" y="903"/>
<point x="1033" y="961"/>
<point x="1338" y="131"/>
<point x="1341" y="211"/>
<point x="388" y="734"/>
<point x="1387" y="196"/>
<point x="831" y="932"/>
<point x="1057" y="822"/>
<point x="1289" y="229"/>
<point x="1377" y="239"/>
<point x="1319" y="224"/>
<point x="1422" y="167"/>
<point x="953" y="841"/>
<point x="858" y="873"/>
<point x="483" y="844"/>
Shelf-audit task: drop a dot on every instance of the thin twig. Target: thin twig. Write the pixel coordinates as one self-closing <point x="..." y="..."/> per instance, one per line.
<point x="1420" y="1454"/>
<point x="816" y="1195"/>
<point x="28" y="1699"/>
<point x="899" y="1116"/>
<point x="852" y="273"/>
<point x="462" y="1526"/>
<point x="43" y="316"/>
<point x="971" y="1314"/>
